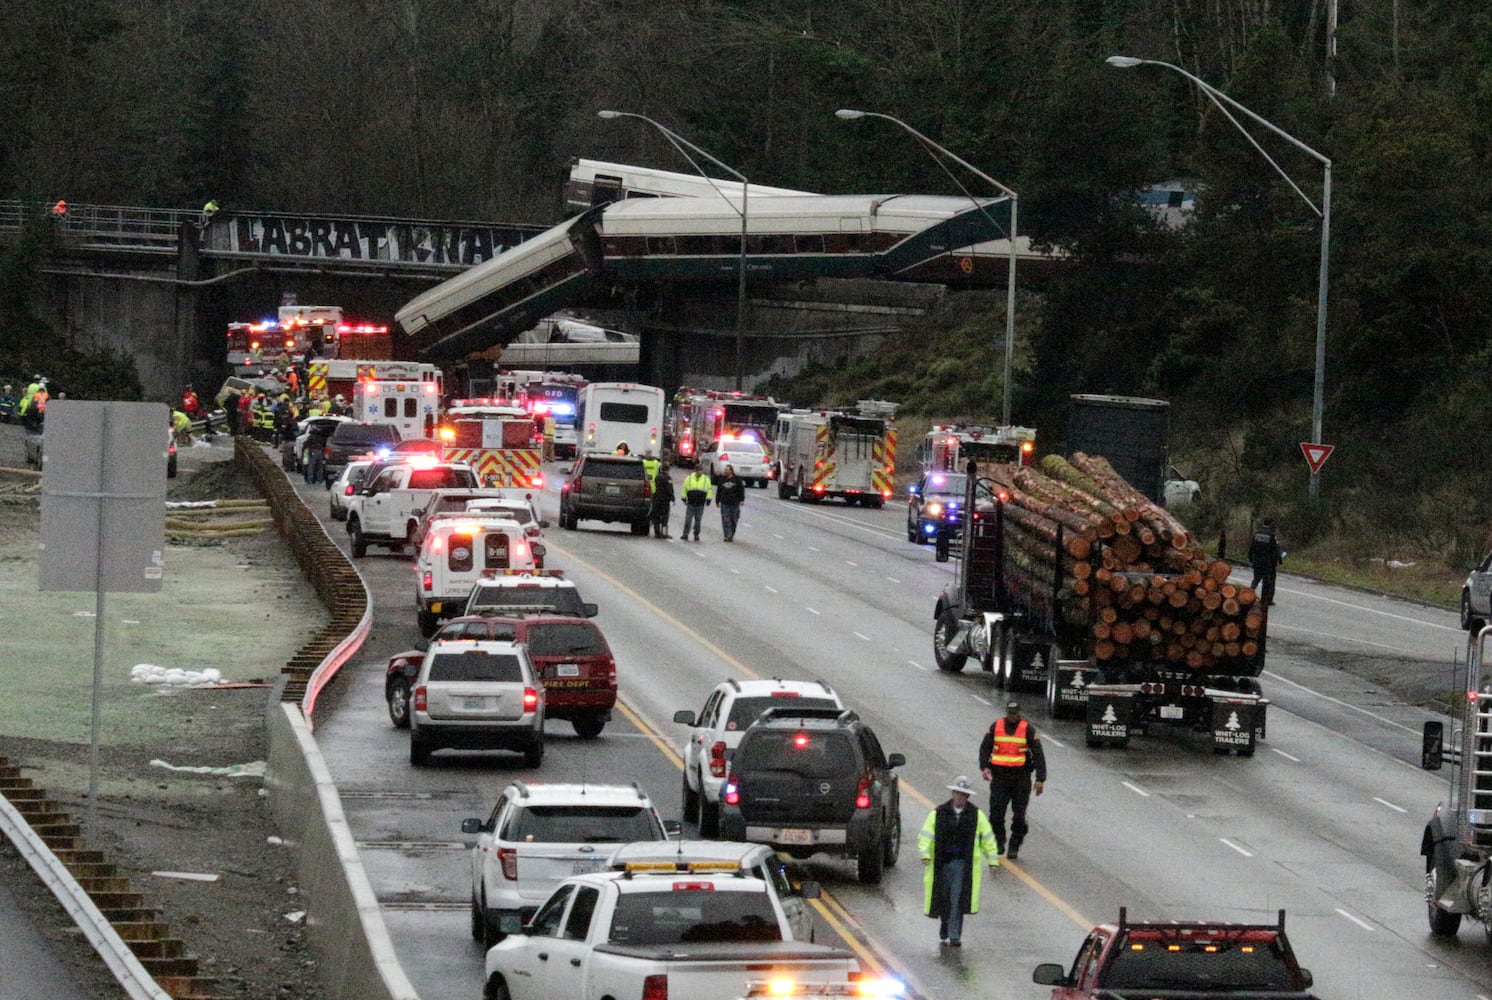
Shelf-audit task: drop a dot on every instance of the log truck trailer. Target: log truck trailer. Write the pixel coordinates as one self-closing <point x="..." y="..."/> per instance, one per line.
<point x="991" y="611"/>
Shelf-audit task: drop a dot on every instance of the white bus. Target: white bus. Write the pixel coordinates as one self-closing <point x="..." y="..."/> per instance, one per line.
<point x="610" y="414"/>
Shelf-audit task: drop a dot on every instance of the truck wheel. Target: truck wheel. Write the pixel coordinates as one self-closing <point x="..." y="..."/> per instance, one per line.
<point x="871" y="865"/>
<point x="1468" y="622"/>
<point x="784" y="491"/>
<point x="805" y="495"/>
<point x="496" y="989"/>
<point x="1054" y="704"/>
<point x="691" y="801"/>
<point x="912" y="534"/>
<point x="1442" y="924"/>
<point x="419" y="753"/>
<point x="876" y="503"/>
<point x="941" y="548"/>
<point x="588" y="727"/>
<point x="709" y="818"/>
<point x="399" y="703"/>
<point x="943" y="633"/>
<point x="478" y="921"/>
<point x="359" y="543"/>
<point x="533" y="755"/>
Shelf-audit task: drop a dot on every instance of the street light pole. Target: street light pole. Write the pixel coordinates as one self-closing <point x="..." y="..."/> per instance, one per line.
<point x="679" y="142"/>
<point x="850" y="114"/>
<point x="1220" y="99"/>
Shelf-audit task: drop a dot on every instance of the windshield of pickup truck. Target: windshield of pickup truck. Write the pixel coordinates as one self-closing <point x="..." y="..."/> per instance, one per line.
<point x="690" y="916"/>
<point x="1233" y="966"/>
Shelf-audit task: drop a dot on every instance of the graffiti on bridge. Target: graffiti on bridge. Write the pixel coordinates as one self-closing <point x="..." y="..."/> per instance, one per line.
<point x="448" y="244"/>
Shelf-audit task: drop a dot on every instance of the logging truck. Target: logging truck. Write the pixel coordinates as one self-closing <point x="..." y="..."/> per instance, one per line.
<point x="1073" y="583"/>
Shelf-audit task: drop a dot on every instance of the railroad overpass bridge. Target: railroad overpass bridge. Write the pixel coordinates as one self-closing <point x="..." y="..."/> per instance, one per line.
<point x="162" y="284"/>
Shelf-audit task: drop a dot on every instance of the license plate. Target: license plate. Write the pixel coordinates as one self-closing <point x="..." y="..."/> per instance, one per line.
<point x="473" y="703"/>
<point x="1172" y="712"/>
<point x="794" y="836"/>
<point x="567" y="670"/>
<point x="587" y="865"/>
<point x="613" y="491"/>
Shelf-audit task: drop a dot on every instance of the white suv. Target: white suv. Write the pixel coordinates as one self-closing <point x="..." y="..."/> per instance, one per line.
<point x="477" y="696"/>
<point x="538" y="835"/>
<point x="718" y="728"/>
<point x="510" y="593"/>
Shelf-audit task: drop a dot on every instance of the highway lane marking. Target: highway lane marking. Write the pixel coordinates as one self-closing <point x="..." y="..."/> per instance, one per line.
<point x="1363" y="607"/>
<point x="1337" y="701"/>
<point x="811" y="610"/>
<point x="982" y="701"/>
<point x="1317" y="633"/>
<point x="1361" y="923"/>
<point x="1136" y="789"/>
<point x="770" y="590"/>
<point x="1047" y="738"/>
<point x="916" y="664"/>
<point x="860" y="635"/>
<point x="893" y="579"/>
<point x="1285" y="755"/>
<point x="647" y="728"/>
<point x="734" y="570"/>
<point x="1229" y="843"/>
<point x="825" y="906"/>
<point x="1056" y="902"/>
<point x="1386" y="802"/>
<point x="851" y="562"/>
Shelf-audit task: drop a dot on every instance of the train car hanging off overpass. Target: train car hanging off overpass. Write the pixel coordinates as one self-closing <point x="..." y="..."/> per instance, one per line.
<point x="696" y="239"/>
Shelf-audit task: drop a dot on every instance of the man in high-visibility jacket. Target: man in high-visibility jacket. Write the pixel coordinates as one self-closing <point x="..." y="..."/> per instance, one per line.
<point x="1008" y="754"/>
<point x="697" y="492"/>
<point x="955" y="843"/>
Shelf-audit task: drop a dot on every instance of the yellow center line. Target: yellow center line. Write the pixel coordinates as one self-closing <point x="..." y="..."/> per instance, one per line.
<point x="823" y="908"/>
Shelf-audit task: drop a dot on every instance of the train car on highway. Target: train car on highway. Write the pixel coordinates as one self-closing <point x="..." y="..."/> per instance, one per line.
<point x="597" y="182"/>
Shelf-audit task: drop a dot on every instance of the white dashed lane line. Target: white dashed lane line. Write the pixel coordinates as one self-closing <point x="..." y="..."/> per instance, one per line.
<point x="770" y="590"/>
<point x="1386" y="802"/>
<point x="859" y="635"/>
<point x="1136" y="789"/>
<point x="810" y="610"/>
<point x="1228" y="843"/>
<point x="1285" y="755"/>
<point x="1361" y="923"/>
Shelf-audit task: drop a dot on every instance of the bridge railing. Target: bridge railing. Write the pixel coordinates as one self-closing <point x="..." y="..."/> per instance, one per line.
<point x="108" y="225"/>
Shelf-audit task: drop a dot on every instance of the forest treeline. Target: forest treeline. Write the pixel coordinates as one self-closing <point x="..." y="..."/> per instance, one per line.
<point x="472" y="109"/>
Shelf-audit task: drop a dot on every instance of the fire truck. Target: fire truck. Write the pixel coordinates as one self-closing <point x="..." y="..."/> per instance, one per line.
<point x="1457" y="842"/>
<point x="702" y="416"/>
<point x="297" y="330"/>
<point x="555" y="395"/>
<point x="501" y="443"/>
<point x="818" y="454"/>
<point x="405" y="394"/>
<point x="950" y="447"/>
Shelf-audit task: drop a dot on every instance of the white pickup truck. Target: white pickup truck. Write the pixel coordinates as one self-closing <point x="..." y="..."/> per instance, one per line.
<point x="651" y="930"/>
<point x="386" y="511"/>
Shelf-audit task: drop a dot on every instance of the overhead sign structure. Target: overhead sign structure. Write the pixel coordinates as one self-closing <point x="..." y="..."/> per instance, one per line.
<point x="1316" y="454"/>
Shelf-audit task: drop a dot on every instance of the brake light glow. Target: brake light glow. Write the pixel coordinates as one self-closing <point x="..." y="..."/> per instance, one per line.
<point x="427" y="582"/>
<point x="348" y="490"/>
<point x="655" y="988"/>
<point x="530" y="699"/>
<point x="692" y="887"/>
<point x="520" y="549"/>
<point x="536" y="481"/>
<point x="731" y="794"/>
<point x="800" y="740"/>
<point x="507" y="857"/>
<point x="862" y="793"/>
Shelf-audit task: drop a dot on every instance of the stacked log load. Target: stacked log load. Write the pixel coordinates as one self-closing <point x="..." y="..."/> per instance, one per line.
<point x="1127" y="576"/>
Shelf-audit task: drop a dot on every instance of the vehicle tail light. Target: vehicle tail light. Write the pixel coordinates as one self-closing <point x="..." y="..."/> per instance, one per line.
<point x="731" y="793"/>
<point x="421" y="699"/>
<point x="536" y="481"/>
<point x="862" y="793"/>
<point x="611" y="672"/>
<point x="818" y="488"/>
<point x="575" y="486"/>
<point x="530" y="699"/>
<point x="347" y="490"/>
<point x="717" y="760"/>
<point x="647" y="490"/>
<point x="427" y="581"/>
<point x="520" y="549"/>
<point x="508" y="858"/>
<point x="655" y="988"/>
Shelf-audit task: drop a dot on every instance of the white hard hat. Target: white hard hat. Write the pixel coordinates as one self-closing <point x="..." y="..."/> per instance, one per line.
<point x="340" y="398"/>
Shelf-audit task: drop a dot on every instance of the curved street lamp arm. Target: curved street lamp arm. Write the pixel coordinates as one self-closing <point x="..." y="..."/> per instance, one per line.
<point x="1212" y="95"/>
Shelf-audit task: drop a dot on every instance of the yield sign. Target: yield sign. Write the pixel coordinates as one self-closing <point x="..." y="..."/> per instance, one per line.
<point x="1316" y="454"/>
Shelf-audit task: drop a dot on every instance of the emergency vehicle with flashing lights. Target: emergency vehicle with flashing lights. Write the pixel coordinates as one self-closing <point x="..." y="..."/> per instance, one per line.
<point x="404" y="394"/>
<point x="1178" y="958"/>
<point x="555" y="395"/>
<point x="987" y="612"/>
<point x="455" y="554"/>
<point x="1457" y="840"/>
<point x="950" y="447"/>
<point x="386" y="509"/>
<point x="703" y="417"/>
<point x="651" y="931"/>
<point x="500" y="442"/>
<point x="819" y="454"/>
<point x="319" y="331"/>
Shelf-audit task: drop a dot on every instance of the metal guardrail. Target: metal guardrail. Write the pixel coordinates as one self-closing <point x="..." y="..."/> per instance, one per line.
<point x="106" y="225"/>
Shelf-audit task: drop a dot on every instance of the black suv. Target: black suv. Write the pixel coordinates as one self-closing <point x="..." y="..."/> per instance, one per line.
<point x="607" y="488"/>
<point x="350" y="438"/>
<point x="811" y="780"/>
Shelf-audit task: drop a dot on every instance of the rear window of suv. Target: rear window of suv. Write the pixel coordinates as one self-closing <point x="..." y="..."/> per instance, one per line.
<point x="364" y="434"/>
<point x="475" y="665"/>
<point x="807" y="753"/>
<point x="582" y="825"/>
<point x="745" y="711"/>
<point x="565" y="639"/>
<point x="616" y="470"/>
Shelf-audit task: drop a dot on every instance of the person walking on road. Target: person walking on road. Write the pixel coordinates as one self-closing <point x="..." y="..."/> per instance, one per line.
<point x="730" y="493"/>
<point x="1008" y="754"/>
<point x="315" y="469"/>
<point x="663" y="498"/>
<point x="1265" y="557"/>
<point x="698" y="490"/>
<point x="956" y="842"/>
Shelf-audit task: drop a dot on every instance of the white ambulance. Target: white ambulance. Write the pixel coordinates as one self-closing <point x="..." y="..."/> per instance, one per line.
<point x="456" y="554"/>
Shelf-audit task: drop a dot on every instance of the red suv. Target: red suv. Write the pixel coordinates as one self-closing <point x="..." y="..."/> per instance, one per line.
<point x="569" y="654"/>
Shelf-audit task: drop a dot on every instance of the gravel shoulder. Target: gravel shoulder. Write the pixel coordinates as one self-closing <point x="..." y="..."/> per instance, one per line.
<point x="239" y="606"/>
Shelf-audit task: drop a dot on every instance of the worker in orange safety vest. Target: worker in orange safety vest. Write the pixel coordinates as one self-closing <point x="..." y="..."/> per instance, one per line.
<point x="1008" y="755"/>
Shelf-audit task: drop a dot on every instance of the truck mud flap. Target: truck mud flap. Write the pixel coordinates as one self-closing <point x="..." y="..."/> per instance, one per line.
<point x="1235" y="726"/>
<point x="1067" y="689"/>
<point x="1110" y="720"/>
